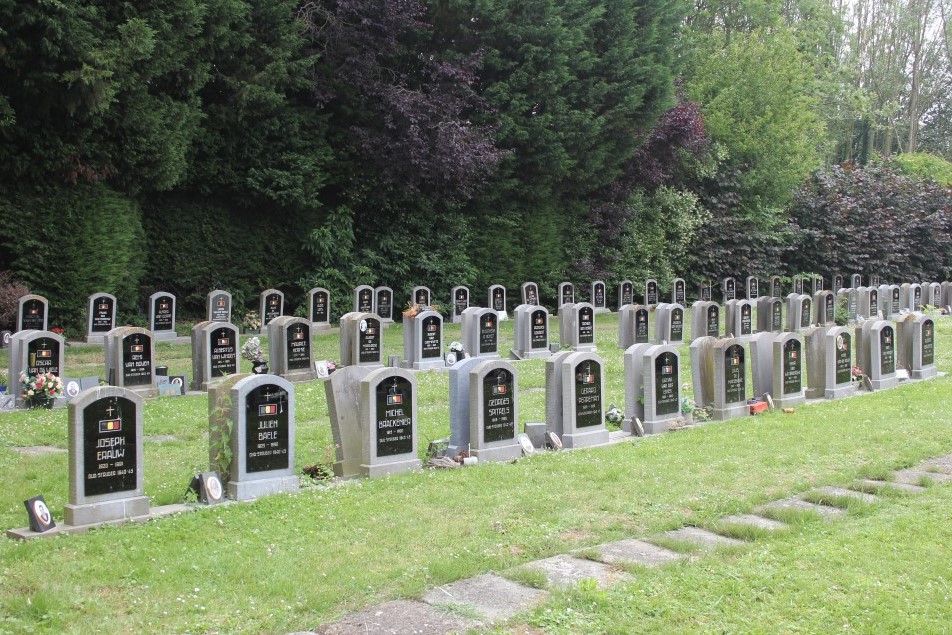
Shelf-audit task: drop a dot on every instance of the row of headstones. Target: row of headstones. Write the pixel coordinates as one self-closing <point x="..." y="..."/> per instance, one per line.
<point x="253" y="417"/>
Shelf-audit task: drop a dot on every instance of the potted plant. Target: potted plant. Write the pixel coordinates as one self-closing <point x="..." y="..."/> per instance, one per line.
<point x="41" y="390"/>
<point x="251" y="350"/>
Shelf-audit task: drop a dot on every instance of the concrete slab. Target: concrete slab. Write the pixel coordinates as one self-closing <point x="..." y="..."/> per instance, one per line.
<point x="825" y="511"/>
<point x="637" y="552"/>
<point x="905" y="487"/>
<point x="492" y="596"/>
<point x="836" y="492"/>
<point x="565" y="571"/>
<point x="756" y="521"/>
<point x="400" y="617"/>
<point x="40" y="450"/>
<point x="706" y="540"/>
<point x="940" y="463"/>
<point x="913" y="475"/>
<point x="26" y="533"/>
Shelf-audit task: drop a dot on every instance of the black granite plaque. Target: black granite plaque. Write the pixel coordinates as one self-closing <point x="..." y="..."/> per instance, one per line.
<point x="223" y="352"/>
<point x="540" y="330"/>
<point x="651" y="293"/>
<point x="798" y="285"/>
<point x="679" y="292"/>
<point x="499" y="423"/>
<point x="928" y="342"/>
<point x="791" y="367"/>
<point x="461" y="301"/>
<point x="422" y="297"/>
<point x="163" y="314"/>
<point x="830" y="308"/>
<point x="431" y="345"/>
<point x="730" y="292"/>
<point x="568" y="294"/>
<point x="843" y="358"/>
<point x="368" y="342"/>
<point x="677" y="324"/>
<point x="713" y="321"/>
<point x="272" y="308"/>
<point x="588" y="394"/>
<point x="746" y="326"/>
<point x="385" y="304"/>
<point x="735" y="386"/>
<point x="320" y="309"/>
<point x="917" y="298"/>
<point x="266" y="429"/>
<point x="532" y="294"/>
<point x="488" y="333"/>
<point x="365" y="301"/>
<point x="887" y="350"/>
<point x="598" y="296"/>
<point x="752" y="290"/>
<point x="874" y="281"/>
<point x="895" y="301"/>
<point x="586" y="325"/>
<point x="837" y="282"/>
<point x="499" y="300"/>
<point x="109" y="446"/>
<point x="394" y="418"/>
<point x="666" y="384"/>
<point x="33" y="314"/>
<point x="102" y="315"/>
<point x="298" y="347"/>
<point x="641" y="326"/>
<point x="705" y="292"/>
<point x="627" y="293"/>
<point x="805" y="310"/>
<point x="873" y="302"/>
<point x="776" y="315"/>
<point x="43" y="356"/>
<point x="221" y="309"/>
<point x="136" y="360"/>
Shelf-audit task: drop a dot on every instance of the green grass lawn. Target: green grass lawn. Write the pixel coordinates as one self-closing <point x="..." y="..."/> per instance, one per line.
<point x="291" y="562"/>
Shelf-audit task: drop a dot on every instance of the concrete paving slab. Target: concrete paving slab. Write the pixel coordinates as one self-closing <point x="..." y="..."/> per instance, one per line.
<point x="756" y="521"/>
<point x="829" y="490"/>
<point x="637" y="552"/>
<point x="492" y="596"/>
<point x="400" y="617"/>
<point x="940" y="463"/>
<point x="913" y="475"/>
<point x="40" y="450"/>
<point x="706" y="540"/>
<point x="565" y="571"/>
<point x="825" y="511"/>
<point x="905" y="487"/>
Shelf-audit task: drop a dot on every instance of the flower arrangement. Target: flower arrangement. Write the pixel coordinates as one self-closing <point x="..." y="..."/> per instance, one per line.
<point x="59" y="330"/>
<point x="251" y="350"/>
<point x="414" y="310"/>
<point x="41" y="389"/>
<point x="456" y="347"/>
<point x="251" y="321"/>
<point x="857" y="373"/>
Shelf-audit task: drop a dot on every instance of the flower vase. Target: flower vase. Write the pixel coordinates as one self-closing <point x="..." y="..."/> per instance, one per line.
<point x="259" y="368"/>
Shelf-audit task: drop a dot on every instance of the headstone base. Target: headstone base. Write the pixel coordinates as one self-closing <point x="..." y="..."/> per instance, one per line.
<point x="838" y="393"/>
<point x="165" y="335"/>
<point x="536" y="433"/>
<point x="603" y="309"/>
<point x="297" y="376"/>
<point x="503" y="316"/>
<point x="249" y="490"/>
<point x="95" y="339"/>
<point x="790" y="401"/>
<point x="437" y="363"/>
<point x="584" y="348"/>
<point x="924" y="373"/>
<point x="500" y="453"/>
<point x="657" y="426"/>
<point x="161" y="511"/>
<point x="539" y="352"/>
<point x="388" y="469"/>
<point x="91" y="513"/>
<point x="884" y="383"/>
<point x="577" y="440"/>
<point x="732" y="411"/>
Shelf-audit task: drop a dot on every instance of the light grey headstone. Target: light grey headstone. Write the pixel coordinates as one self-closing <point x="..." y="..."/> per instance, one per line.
<point x="881" y="345"/>
<point x="923" y="348"/>
<point x="33" y="313"/>
<point x="494" y="411"/>
<point x="215" y="353"/>
<point x="824" y="308"/>
<point x="270" y="305"/>
<point x="480" y="332"/>
<point x="342" y="391"/>
<point x="553" y="392"/>
<point x="728" y="289"/>
<point x="218" y="306"/>
<point x="459" y="301"/>
<point x="705" y="319"/>
<point x="776" y="287"/>
<point x="634" y="384"/>
<point x="598" y="296"/>
<point x="626" y="293"/>
<point x="752" y="285"/>
<point x="530" y="293"/>
<point x="581" y="331"/>
<point x="101" y="316"/>
<point x="423" y="341"/>
<point x="702" y="370"/>
<point x="730" y="382"/>
<point x="34" y="352"/>
<point x="769" y="314"/>
<point x="679" y="293"/>
<point x="532" y="331"/>
<point x="904" y="344"/>
<point x="788" y="384"/>
<point x="761" y="363"/>
<point x="421" y="296"/>
<point x="319" y="308"/>
<point x="856" y="281"/>
<point x="459" y="405"/>
<point x="583" y="405"/>
<point x="364" y="299"/>
<point x="132" y="352"/>
<point x="740" y="319"/>
<point x="290" y="348"/>
<point x="652" y="296"/>
<point x="829" y="362"/>
<point x="388" y="422"/>
<point x="105" y="457"/>
<point x="661" y="370"/>
<point x="162" y="315"/>
<point x="497" y="300"/>
<point x="566" y="294"/>
<point x="383" y="301"/>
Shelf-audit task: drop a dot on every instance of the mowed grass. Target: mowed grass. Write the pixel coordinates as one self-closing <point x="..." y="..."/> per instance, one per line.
<point x="291" y="562"/>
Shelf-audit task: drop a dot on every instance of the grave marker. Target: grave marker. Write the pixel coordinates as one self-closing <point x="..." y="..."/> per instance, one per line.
<point x="481" y="332"/>
<point x="364" y="299"/>
<point x="32" y="313"/>
<point x="583" y="408"/>
<point x="102" y="316"/>
<point x="493" y="411"/>
<point x="497" y="301"/>
<point x="730" y="382"/>
<point x="214" y="353"/>
<point x="34" y="352"/>
<point x="319" y="308"/>
<point x="705" y="319"/>
<point x="271" y="305"/>
<point x="776" y="288"/>
<point x="133" y="355"/>
<point x="460" y="302"/>
<point x="829" y="363"/>
<point x="421" y="296"/>
<point x="566" y="294"/>
<point x="290" y="352"/>
<point x="923" y="348"/>
<point x="530" y="293"/>
<point x="651" y="292"/>
<point x="423" y="341"/>
<point x="679" y="293"/>
<point x="388" y="422"/>
<point x="729" y="289"/>
<point x="753" y="291"/>
<point x="626" y="293"/>
<point x="532" y="331"/>
<point x="218" y="306"/>
<point x="597" y="295"/>
<point x="383" y="300"/>
<point x="162" y="315"/>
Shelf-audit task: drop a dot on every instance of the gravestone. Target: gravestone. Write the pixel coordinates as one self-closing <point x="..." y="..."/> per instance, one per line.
<point x="798" y="305"/>
<point x="32" y="313"/>
<point x="34" y="352"/>
<point x="102" y="316"/>
<point x="133" y="359"/>
<point x="566" y="294"/>
<point x="669" y="323"/>
<point x="383" y="300"/>
<point x="856" y="281"/>
<point x="761" y="363"/>
<point x="769" y="314"/>
<point x="776" y="288"/>
<point x="214" y="353"/>
<point x="460" y="302"/>
<point x="480" y="332"/>
<point x="829" y="363"/>
<point x="806" y="312"/>
<point x="932" y="294"/>
<point x="702" y="370"/>
<point x="497" y="301"/>
<point x="361" y="338"/>
<point x="254" y="416"/>
<point x="319" y="308"/>
<point x="705" y="319"/>
<point x="162" y="315"/>
<point x="105" y="457"/>
<point x="581" y="416"/>
<point x="633" y="361"/>
<point x="290" y="352"/>
<point x="530" y="293"/>
<point x="730" y="381"/>
<point x="798" y="285"/>
<point x="679" y="292"/>
<point x="632" y="325"/>
<point x="885" y="301"/>
<point x="896" y="298"/>
<point x="388" y="422"/>
<point x="705" y="292"/>
<point x="577" y="328"/>
<point x="867" y="302"/>
<point x="753" y="290"/>
<point x="598" y="297"/>
<point x="788" y="388"/>
<point x="532" y="331"/>
<point x="626" y="293"/>
<point x="364" y="299"/>
<point x="653" y="373"/>
<point x="484" y="411"/>
<point x="881" y="344"/>
<point x="923" y="348"/>
<point x="848" y="300"/>
<point x="906" y="301"/>
<point x="728" y="289"/>
<point x="421" y="296"/>
<point x="837" y="282"/>
<point x="270" y="305"/>
<point x="218" y="306"/>
<point x="740" y="319"/>
<point x="817" y="285"/>
<point x="423" y="341"/>
<point x="904" y="340"/>
<point x="874" y="280"/>
<point x="651" y="292"/>
<point x="824" y="304"/>
<point x="342" y="392"/>
<point x="946" y="293"/>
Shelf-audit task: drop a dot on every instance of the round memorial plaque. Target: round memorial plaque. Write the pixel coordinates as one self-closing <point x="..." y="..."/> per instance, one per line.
<point x="527" y="447"/>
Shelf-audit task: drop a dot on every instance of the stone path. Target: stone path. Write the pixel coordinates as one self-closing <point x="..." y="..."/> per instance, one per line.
<point x="489" y="599"/>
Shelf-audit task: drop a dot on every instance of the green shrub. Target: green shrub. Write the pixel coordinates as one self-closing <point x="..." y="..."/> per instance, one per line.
<point x="926" y="166"/>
